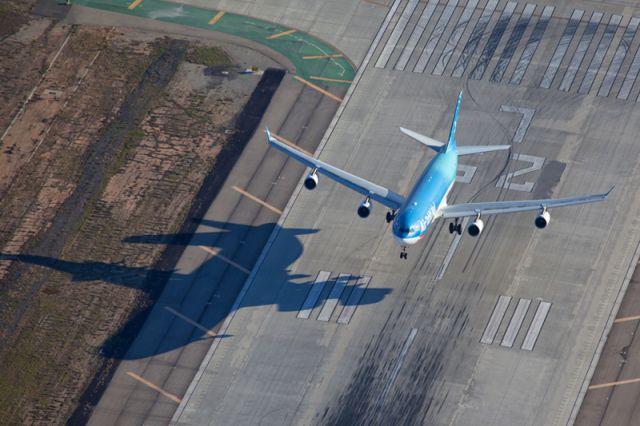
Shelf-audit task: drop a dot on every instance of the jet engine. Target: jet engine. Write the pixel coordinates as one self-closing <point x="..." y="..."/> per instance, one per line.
<point x="542" y="220"/>
<point x="311" y="181"/>
<point x="475" y="227"/>
<point x="364" y="209"/>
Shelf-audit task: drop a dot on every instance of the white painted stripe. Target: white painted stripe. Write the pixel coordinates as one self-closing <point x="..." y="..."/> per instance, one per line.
<point x="314" y="293"/>
<point x="474" y="39"/>
<point x="536" y="325"/>
<point x="581" y="50"/>
<point x="618" y="58"/>
<point x="354" y="299"/>
<point x="396" y="368"/>
<point x="428" y="49"/>
<point x="532" y="45"/>
<point x="332" y="301"/>
<point x="455" y="36"/>
<point x="525" y="121"/>
<point x="396" y="34"/>
<point x="416" y="34"/>
<point x="630" y="78"/>
<point x="515" y="323"/>
<point x="452" y="249"/>
<point x="492" y="43"/>
<point x="598" y="57"/>
<point x="561" y="49"/>
<point x="496" y="319"/>
<point x="512" y="42"/>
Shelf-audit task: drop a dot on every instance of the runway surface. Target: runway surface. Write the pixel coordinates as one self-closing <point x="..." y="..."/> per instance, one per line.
<point x="331" y="327"/>
<point x="502" y="329"/>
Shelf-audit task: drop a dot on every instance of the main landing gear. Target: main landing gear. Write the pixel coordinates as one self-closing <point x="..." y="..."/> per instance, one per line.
<point x="391" y="215"/>
<point x="457" y="227"/>
<point x="403" y="253"/>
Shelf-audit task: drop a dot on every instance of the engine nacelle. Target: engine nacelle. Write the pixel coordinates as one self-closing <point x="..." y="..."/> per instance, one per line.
<point x="311" y="181"/>
<point x="364" y="209"/>
<point x="476" y="227"/>
<point x="542" y="220"/>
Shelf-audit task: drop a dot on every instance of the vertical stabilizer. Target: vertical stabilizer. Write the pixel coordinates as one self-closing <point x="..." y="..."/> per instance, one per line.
<point x="451" y="143"/>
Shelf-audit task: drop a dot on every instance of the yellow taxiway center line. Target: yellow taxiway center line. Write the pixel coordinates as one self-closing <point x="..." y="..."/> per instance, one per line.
<point x="134" y="4"/>
<point x="335" y="80"/>
<point x="621" y="382"/>
<point x="217" y="254"/>
<point x="625" y="319"/>
<point x="257" y="200"/>
<point x="154" y="387"/>
<point x="318" y="88"/>
<point x="216" y="18"/>
<point x="337" y="55"/>
<point x="190" y="321"/>
<point x="282" y="34"/>
<point x="291" y="144"/>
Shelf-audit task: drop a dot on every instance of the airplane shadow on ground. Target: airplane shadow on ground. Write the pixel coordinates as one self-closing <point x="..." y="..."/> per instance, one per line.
<point x="217" y="281"/>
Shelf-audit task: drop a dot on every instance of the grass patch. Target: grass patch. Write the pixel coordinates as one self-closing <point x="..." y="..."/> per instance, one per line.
<point x="208" y="56"/>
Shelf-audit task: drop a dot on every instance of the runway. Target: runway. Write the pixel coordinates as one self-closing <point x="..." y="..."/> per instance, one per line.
<point x="330" y="326"/>
<point x="496" y="330"/>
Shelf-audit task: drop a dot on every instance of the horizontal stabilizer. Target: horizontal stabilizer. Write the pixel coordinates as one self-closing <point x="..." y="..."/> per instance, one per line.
<point x="431" y="143"/>
<point x="479" y="149"/>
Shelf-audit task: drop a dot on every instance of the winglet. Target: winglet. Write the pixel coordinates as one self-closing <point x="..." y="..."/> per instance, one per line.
<point x="606" y="194"/>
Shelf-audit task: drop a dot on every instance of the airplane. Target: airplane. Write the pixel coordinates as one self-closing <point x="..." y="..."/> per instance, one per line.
<point x="427" y="201"/>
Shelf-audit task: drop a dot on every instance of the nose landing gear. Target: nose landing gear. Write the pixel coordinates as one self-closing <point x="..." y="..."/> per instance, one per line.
<point x="403" y="253"/>
<point x="457" y="227"/>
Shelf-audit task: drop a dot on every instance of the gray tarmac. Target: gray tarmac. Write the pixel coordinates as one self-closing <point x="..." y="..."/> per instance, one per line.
<point x="411" y="352"/>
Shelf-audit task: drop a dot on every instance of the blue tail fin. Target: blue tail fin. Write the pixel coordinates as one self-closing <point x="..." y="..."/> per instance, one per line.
<point x="451" y="143"/>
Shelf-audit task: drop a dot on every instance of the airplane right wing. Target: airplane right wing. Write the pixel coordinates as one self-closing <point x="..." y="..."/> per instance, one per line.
<point x="369" y="189"/>
<point x="499" y="207"/>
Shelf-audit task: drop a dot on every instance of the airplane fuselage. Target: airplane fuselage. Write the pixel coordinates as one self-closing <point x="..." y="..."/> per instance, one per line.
<point x="427" y="197"/>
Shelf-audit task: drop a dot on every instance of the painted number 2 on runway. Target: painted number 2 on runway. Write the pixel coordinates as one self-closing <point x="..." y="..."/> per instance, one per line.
<point x="535" y="162"/>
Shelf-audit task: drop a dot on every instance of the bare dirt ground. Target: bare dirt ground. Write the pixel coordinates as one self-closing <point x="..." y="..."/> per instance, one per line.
<point x="104" y="135"/>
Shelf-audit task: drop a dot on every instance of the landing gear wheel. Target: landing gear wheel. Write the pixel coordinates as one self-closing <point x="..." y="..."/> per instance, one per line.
<point x="455" y="227"/>
<point x="390" y="216"/>
<point x="403" y="253"/>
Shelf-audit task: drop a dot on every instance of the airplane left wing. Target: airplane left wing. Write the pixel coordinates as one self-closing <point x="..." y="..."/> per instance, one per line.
<point x="499" y="207"/>
<point x="369" y="189"/>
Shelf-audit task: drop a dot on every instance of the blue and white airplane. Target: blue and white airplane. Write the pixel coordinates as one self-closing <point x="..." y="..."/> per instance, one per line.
<point x="411" y="216"/>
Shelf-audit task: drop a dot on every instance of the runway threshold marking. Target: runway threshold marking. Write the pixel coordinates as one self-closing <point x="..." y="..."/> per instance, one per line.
<point x="257" y="200"/>
<point x="291" y="144"/>
<point x="282" y="34"/>
<point x="610" y="384"/>
<point x="625" y="319"/>
<point x="217" y="254"/>
<point x="326" y="56"/>
<point x="154" y="387"/>
<point x="333" y="80"/>
<point x="318" y="88"/>
<point x="190" y="321"/>
<point x="134" y="4"/>
<point x="216" y="18"/>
